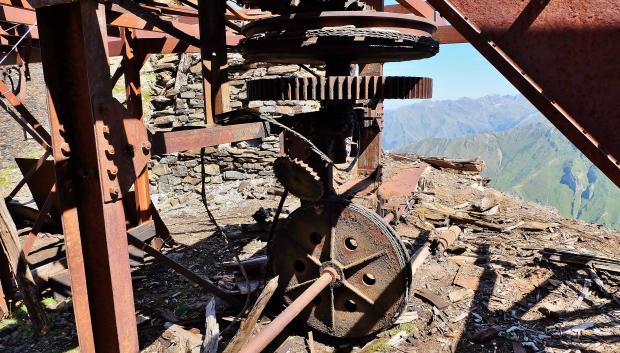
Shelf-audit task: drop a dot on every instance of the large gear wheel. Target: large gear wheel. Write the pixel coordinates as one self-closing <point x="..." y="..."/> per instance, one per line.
<point x="340" y="88"/>
<point x="365" y="251"/>
<point x="347" y="36"/>
<point x="298" y="178"/>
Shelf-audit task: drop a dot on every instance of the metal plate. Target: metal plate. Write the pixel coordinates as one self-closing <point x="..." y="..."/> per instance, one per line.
<point x="340" y="88"/>
<point x="363" y="248"/>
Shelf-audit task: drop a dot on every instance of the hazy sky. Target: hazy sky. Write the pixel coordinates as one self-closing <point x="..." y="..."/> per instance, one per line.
<point x="457" y="71"/>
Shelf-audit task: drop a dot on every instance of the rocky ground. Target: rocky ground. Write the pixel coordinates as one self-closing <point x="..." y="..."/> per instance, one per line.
<point x="499" y="290"/>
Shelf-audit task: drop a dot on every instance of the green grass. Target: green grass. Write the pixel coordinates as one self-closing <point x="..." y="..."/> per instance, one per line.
<point x="381" y="344"/>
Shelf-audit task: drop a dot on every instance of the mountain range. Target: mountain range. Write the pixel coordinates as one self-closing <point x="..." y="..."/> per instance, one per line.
<point x="524" y="154"/>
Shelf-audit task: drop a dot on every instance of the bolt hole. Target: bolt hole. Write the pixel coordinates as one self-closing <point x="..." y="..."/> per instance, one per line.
<point x="315" y="238"/>
<point x="350" y="305"/>
<point x="350" y="244"/>
<point x="299" y="266"/>
<point x="369" y="279"/>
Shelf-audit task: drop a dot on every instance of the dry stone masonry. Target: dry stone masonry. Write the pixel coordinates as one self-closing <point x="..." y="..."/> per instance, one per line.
<point x="177" y="101"/>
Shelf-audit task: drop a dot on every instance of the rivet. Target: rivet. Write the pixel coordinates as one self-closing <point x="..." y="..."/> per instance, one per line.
<point x="110" y="151"/>
<point x="113" y="172"/>
<point x="114" y="192"/>
<point x="106" y="131"/>
<point x="146" y="147"/>
<point x="65" y="149"/>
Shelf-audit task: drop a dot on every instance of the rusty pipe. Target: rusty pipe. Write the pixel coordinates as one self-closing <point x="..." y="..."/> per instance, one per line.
<point x="266" y="335"/>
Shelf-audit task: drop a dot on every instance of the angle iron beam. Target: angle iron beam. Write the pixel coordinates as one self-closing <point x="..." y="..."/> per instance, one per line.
<point x="212" y="23"/>
<point x="73" y="38"/>
<point x="133" y="60"/>
<point x="185" y="140"/>
<point x="598" y="141"/>
<point x="37" y="130"/>
<point x="170" y="27"/>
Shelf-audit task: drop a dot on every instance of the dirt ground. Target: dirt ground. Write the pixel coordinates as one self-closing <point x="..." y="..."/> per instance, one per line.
<point x="518" y="301"/>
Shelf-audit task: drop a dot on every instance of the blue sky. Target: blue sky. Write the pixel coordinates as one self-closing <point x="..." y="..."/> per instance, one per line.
<point x="457" y="71"/>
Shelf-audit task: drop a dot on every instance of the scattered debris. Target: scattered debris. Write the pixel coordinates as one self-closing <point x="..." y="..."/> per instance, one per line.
<point x="464" y="165"/>
<point x="460" y="294"/>
<point x="212" y="329"/>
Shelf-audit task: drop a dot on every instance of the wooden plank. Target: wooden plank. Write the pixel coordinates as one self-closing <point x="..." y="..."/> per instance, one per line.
<point x="247" y="325"/>
<point x="19" y="266"/>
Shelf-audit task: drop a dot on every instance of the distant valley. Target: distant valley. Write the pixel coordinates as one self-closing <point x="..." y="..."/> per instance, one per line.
<point x="524" y="154"/>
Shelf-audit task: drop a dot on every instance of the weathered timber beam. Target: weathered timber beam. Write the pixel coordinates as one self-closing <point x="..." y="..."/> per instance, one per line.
<point x="185" y="140"/>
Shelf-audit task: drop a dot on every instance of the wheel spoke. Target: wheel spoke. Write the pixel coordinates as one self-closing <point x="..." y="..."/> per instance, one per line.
<point x="332" y="309"/>
<point x="365" y="260"/>
<point x="312" y="259"/>
<point x="357" y="292"/>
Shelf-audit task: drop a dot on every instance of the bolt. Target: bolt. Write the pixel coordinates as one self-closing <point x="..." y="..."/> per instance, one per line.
<point x="110" y="151"/>
<point x="65" y="149"/>
<point x="106" y="131"/>
<point x="113" y="172"/>
<point x="146" y="147"/>
<point x="114" y="192"/>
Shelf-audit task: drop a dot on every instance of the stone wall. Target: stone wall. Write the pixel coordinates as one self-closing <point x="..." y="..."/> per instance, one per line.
<point x="177" y="92"/>
<point x="180" y="173"/>
<point x="178" y="101"/>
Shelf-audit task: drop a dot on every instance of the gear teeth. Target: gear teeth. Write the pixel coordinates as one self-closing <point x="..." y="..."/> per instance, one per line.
<point x="299" y="178"/>
<point x="304" y="165"/>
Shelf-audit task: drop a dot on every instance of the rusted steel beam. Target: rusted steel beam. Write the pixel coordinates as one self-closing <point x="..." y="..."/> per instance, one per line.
<point x="81" y="106"/>
<point x="212" y="25"/>
<point x="17" y="3"/>
<point x="184" y="271"/>
<point x="185" y="140"/>
<point x="28" y="121"/>
<point x="132" y="62"/>
<point x="17" y="15"/>
<point x="418" y="7"/>
<point x="29" y="174"/>
<point x="174" y="29"/>
<point x="369" y="144"/>
<point x="557" y="54"/>
<point x="448" y="35"/>
<point x="39" y="222"/>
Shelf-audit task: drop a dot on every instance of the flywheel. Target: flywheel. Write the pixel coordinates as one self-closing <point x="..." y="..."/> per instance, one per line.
<point x="371" y="262"/>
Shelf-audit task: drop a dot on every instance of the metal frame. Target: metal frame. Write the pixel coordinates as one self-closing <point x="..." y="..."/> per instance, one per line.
<point x="91" y="132"/>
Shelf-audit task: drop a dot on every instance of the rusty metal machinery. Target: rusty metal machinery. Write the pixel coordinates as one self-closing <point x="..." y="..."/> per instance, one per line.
<point x="346" y="255"/>
<point x="370" y="260"/>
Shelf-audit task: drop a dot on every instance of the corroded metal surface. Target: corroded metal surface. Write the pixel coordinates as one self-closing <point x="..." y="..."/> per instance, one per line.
<point x="340" y="88"/>
<point x="354" y="37"/>
<point x="289" y="6"/>
<point x="365" y="251"/>
<point x="298" y="178"/>
<point x="562" y="55"/>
